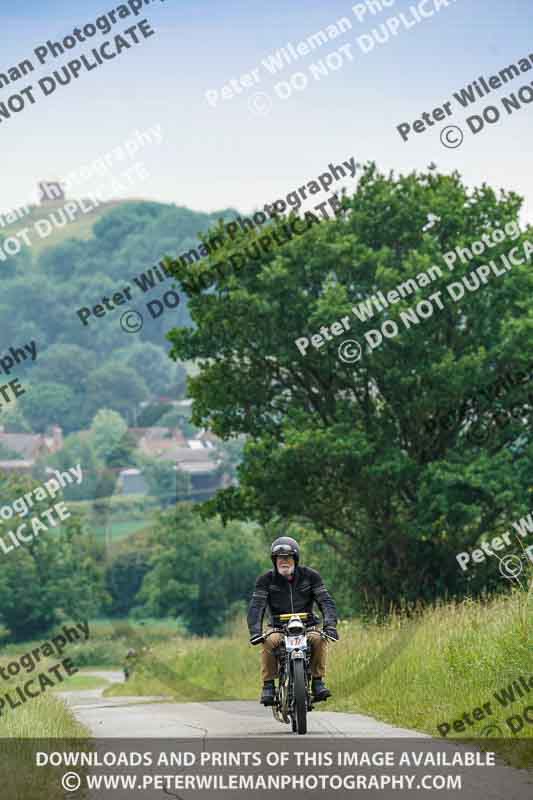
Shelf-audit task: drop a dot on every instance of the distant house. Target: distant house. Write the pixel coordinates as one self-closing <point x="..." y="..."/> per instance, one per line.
<point x="22" y="467"/>
<point x="202" y="465"/>
<point x="208" y="438"/>
<point x="162" y="443"/>
<point x="195" y="457"/>
<point x="205" y="478"/>
<point x="133" y="482"/>
<point x="30" y="446"/>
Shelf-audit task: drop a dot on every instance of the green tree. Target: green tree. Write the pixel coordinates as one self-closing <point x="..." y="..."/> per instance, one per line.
<point x="112" y="442"/>
<point x="57" y="576"/>
<point x="152" y="363"/>
<point x="48" y="404"/>
<point x="108" y="433"/>
<point x="345" y="447"/>
<point x="58" y="261"/>
<point x="117" y="387"/>
<point x="67" y="364"/>
<point x="151" y="414"/>
<point x="175" y="419"/>
<point x="76" y="450"/>
<point x="200" y="570"/>
<point x="19" y="263"/>
<point x="125" y="572"/>
<point x="230" y="454"/>
<point x="13" y="421"/>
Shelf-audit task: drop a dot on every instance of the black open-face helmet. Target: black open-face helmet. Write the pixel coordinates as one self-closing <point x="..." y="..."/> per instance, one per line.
<point x="285" y="546"/>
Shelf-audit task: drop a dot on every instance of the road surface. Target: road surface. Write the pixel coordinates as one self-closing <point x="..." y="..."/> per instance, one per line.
<point x="144" y="716"/>
<point x="214" y="726"/>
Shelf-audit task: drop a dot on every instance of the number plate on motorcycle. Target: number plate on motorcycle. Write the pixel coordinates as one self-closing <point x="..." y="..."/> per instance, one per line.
<point x="295" y="641"/>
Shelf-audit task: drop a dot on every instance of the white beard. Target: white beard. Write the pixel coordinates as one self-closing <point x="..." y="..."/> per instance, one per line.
<point x="286" y="573"/>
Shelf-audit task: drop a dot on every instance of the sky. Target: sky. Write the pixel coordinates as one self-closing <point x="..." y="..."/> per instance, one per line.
<point x="257" y="146"/>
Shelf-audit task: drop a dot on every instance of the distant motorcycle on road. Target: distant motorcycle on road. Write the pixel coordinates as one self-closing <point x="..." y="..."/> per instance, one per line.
<point x="293" y="697"/>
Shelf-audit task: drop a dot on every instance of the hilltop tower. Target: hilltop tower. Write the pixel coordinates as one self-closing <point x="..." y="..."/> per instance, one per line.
<point x="51" y="192"/>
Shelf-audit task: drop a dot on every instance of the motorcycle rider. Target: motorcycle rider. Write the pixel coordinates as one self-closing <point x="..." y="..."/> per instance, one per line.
<point x="288" y="588"/>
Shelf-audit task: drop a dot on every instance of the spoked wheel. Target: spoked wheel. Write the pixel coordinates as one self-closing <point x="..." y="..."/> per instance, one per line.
<point x="279" y="709"/>
<point x="299" y="723"/>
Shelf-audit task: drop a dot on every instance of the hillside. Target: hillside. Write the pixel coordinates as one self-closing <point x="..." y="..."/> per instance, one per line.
<point x="79" y="228"/>
<point x="81" y="368"/>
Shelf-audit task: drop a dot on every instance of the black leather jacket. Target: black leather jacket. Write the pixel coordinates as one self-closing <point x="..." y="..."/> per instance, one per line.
<point x="280" y="596"/>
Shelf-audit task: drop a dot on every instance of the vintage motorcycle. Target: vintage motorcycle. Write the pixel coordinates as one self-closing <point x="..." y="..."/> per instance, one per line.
<point x="293" y="697"/>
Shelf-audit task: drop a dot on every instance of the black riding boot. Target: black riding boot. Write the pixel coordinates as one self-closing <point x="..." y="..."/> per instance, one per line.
<point x="320" y="690"/>
<point x="267" y="695"/>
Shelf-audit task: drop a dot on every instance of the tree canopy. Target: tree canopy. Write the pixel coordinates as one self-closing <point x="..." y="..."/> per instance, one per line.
<point x="57" y="576"/>
<point x="353" y="449"/>
<point x="200" y="571"/>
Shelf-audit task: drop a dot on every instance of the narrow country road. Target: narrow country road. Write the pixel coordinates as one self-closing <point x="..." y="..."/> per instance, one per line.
<point x="205" y="725"/>
<point x="145" y="716"/>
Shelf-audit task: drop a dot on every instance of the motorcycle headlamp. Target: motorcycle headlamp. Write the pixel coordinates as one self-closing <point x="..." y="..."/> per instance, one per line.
<point x="295" y="627"/>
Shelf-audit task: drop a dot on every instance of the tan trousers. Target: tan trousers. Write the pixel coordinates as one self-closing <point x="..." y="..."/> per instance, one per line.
<point x="269" y="661"/>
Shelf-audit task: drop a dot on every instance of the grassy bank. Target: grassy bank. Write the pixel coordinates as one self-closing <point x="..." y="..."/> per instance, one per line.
<point x="417" y="674"/>
<point x="23" y="728"/>
<point x="43" y="717"/>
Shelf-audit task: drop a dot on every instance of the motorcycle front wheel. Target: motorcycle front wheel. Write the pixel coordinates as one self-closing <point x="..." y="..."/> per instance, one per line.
<point x="299" y="720"/>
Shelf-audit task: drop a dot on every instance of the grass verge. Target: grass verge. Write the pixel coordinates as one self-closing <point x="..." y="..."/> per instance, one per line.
<point x="22" y="732"/>
<point x="81" y="682"/>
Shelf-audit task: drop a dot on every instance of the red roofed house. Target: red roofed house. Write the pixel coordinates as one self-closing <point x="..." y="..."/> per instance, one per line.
<point x="30" y="446"/>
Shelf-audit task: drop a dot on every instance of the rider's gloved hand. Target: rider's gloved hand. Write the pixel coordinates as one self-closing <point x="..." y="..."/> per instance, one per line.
<point x="257" y="639"/>
<point x="331" y="631"/>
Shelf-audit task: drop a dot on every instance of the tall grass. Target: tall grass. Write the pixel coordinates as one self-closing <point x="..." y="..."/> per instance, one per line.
<point x="22" y="731"/>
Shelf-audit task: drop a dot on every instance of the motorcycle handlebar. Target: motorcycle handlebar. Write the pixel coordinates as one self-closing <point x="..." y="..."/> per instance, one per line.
<point x="323" y="635"/>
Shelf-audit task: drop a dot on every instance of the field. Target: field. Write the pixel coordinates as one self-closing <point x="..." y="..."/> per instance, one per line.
<point x="125" y="516"/>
